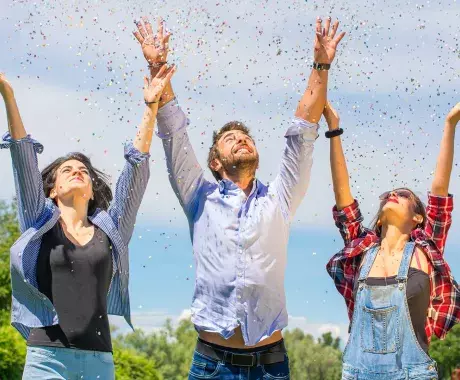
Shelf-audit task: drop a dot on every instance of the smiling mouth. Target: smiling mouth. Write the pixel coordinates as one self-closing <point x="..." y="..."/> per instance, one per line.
<point x="243" y="148"/>
<point x="393" y="200"/>
<point x="76" y="179"/>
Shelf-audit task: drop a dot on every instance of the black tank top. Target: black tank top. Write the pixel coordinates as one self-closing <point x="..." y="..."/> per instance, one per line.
<point x="418" y="299"/>
<point x="76" y="280"/>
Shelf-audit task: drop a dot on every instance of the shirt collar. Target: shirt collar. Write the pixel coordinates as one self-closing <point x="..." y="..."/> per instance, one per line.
<point x="225" y="185"/>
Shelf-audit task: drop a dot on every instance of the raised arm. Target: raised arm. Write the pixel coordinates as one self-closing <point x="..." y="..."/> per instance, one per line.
<point x="131" y="184"/>
<point x="185" y="173"/>
<point x="27" y="177"/>
<point x="440" y="185"/>
<point x="340" y="178"/>
<point x="312" y="103"/>
<point x="293" y="179"/>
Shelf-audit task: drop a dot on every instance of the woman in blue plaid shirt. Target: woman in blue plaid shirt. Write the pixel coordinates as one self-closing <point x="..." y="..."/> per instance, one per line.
<point x="69" y="268"/>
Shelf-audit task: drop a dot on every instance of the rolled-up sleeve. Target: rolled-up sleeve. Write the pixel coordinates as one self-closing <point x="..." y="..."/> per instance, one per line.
<point x="294" y="175"/>
<point x="439" y="219"/>
<point x="349" y="221"/>
<point x="27" y="178"/>
<point x="129" y="191"/>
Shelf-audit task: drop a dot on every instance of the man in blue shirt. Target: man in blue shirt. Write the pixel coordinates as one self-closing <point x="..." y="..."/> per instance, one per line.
<point x="240" y="226"/>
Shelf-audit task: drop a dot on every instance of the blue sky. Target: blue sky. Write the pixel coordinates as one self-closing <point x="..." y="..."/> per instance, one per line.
<point x="77" y="72"/>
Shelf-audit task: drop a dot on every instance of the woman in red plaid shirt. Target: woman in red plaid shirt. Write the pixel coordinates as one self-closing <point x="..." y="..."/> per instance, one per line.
<point x="397" y="286"/>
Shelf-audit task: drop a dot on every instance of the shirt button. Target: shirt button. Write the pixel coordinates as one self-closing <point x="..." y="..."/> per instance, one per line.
<point x="430" y="368"/>
<point x="239" y="297"/>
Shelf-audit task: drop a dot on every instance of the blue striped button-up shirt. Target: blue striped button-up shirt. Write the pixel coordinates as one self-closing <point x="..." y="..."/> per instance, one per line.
<point x="38" y="214"/>
<point x="239" y="242"/>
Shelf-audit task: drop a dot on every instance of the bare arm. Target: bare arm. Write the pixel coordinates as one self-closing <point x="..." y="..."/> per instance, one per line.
<point x="312" y="103"/>
<point x="440" y="185"/>
<point x="340" y="178"/>
<point x="153" y="89"/>
<point x="15" y="125"/>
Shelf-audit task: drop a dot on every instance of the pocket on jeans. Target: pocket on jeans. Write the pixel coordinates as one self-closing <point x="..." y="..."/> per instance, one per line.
<point x="203" y="367"/>
<point x="276" y="371"/>
<point x="380" y="330"/>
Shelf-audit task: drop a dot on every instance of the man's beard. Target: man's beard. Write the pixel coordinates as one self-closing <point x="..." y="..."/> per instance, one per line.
<point x="245" y="163"/>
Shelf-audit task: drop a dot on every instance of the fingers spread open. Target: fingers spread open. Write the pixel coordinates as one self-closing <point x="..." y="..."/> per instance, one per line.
<point x="327" y="24"/>
<point x="138" y="37"/>
<point x="335" y="25"/>
<point x="140" y="28"/>
<point x="339" y="38"/>
<point x="148" y="25"/>
<point x="318" y="25"/>
<point x="160" y="28"/>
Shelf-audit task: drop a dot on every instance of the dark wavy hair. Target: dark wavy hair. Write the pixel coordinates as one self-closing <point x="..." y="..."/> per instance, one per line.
<point x="102" y="192"/>
<point x="418" y="207"/>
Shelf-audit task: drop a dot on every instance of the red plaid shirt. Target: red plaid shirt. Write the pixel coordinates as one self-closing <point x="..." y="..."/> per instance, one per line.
<point x="445" y="292"/>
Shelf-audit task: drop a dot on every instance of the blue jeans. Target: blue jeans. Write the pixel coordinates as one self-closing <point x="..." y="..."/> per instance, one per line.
<point x="204" y="367"/>
<point x="55" y="363"/>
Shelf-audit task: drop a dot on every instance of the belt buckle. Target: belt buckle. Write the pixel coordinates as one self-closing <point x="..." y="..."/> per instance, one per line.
<point x="246" y="360"/>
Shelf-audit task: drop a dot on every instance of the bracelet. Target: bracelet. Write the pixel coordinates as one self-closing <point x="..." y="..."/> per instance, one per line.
<point x="156" y="65"/>
<point x="148" y="103"/>
<point x="321" y="66"/>
<point x="333" y="133"/>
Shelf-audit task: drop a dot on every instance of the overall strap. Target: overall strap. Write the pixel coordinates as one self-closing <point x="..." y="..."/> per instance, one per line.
<point x="405" y="261"/>
<point x="369" y="259"/>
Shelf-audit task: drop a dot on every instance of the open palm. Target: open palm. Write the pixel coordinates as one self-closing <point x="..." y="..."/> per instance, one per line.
<point x="154" y="46"/>
<point x="153" y="87"/>
<point x="326" y="41"/>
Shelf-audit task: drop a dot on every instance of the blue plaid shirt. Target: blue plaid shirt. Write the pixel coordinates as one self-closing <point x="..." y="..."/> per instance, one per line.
<point x="38" y="214"/>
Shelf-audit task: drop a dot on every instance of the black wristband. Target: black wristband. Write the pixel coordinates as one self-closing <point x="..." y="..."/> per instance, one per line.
<point x="321" y="66"/>
<point x="333" y="133"/>
<point x="148" y="103"/>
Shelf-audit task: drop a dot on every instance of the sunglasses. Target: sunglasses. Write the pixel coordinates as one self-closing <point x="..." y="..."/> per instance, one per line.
<point x="399" y="193"/>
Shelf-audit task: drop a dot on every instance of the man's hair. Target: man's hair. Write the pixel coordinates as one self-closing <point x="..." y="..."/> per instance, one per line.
<point x="214" y="151"/>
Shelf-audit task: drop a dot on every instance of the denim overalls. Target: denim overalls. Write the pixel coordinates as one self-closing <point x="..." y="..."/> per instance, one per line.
<point x="382" y="343"/>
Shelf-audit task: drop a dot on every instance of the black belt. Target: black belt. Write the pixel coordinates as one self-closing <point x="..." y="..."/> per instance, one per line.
<point x="274" y="354"/>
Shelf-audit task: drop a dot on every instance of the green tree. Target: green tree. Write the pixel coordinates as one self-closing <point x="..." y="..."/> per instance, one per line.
<point x="133" y="365"/>
<point x="12" y="345"/>
<point x="171" y="348"/>
<point x="310" y="360"/>
<point x="447" y="352"/>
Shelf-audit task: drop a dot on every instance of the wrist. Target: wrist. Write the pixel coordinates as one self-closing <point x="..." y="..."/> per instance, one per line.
<point x="450" y="123"/>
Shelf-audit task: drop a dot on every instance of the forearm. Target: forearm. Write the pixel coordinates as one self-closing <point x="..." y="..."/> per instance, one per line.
<point x="312" y="103"/>
<point x="168" y="93"/>
<point x="440" y="185"/>
<point x="15" y="125"/>
<point x="340" y="178"/>
<point x="144" y="133"/>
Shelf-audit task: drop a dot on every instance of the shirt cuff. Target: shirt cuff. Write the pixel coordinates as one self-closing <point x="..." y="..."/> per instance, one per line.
<point x="438" y="201"/>
<point x="133" y="155"/>
<point x="171" y="119"/>
<point x="347" y="214"/>
<point x="302" y="127"/>
<point x="7" y="141"/>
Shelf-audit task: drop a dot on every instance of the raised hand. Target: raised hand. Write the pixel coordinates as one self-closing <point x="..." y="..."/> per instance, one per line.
<point x="453" y="116"/>
<point x="5" y="86"/>
<point x="154" y="86"/>
<point x="326" y="40"/>
<point x="154" y="46"/>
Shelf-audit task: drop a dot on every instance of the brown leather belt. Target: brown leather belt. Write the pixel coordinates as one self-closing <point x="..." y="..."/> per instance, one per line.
<point x="274" y="354"/>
